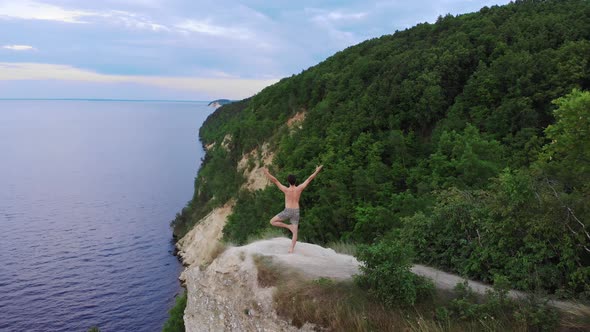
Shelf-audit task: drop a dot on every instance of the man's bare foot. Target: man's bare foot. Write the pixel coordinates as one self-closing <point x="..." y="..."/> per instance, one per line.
<point x="291" y="250"/>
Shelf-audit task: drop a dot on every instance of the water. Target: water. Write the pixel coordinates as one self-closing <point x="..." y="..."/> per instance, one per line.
<point x="87" y="191"/>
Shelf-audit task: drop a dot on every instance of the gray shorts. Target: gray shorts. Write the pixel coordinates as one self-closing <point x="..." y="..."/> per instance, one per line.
<point x="291" y="214"/>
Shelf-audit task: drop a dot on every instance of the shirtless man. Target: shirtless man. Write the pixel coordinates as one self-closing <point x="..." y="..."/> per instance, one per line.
<point x="292" y="195"/>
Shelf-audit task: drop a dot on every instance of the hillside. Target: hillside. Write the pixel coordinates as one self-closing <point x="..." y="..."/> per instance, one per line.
<point x="466" y="140"/>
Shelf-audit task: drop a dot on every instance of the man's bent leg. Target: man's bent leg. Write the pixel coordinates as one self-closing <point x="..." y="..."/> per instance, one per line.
<point x="276" y="221"/>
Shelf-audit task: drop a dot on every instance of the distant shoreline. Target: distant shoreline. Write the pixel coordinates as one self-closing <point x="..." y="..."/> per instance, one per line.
<point x="105" y="99"/>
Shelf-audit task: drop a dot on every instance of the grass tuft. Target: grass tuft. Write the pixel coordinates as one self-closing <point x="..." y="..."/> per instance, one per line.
<point x="268" y="274"/>
<point x="342" y="247"/>
<point x="266" y="234"/>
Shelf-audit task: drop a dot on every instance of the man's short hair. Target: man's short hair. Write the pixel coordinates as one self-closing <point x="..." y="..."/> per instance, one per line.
<point x="291" y="179"/>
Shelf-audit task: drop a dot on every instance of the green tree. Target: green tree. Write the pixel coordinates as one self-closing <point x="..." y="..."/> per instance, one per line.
<point x="568" y="154"/>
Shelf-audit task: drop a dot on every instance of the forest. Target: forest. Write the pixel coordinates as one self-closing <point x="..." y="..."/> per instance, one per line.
<point x="466" y="140"/>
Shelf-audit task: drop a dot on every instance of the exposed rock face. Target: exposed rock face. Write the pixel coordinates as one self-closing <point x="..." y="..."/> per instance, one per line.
<point x="255" y="179"/>
<point x="225" y="296"/>
<point x="198" y="245"/>
<point x="296" y="121"/>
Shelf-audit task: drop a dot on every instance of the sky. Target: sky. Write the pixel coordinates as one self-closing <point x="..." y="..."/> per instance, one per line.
<point x="186" y="49"/>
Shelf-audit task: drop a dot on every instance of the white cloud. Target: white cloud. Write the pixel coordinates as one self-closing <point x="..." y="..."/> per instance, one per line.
<point x="207" y="28"/>
<point x="338" y="16"/>
<point x="19" y="47"/>
<point x="132" y="20"/>
<point x="32" y="10"/>
<point x="333" y="22"/>
<point x="240" y="88"/>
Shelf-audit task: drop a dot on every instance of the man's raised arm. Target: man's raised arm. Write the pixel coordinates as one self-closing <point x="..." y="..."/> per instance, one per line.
<point x="311" y="177"/>
<point x="273" y="179"/>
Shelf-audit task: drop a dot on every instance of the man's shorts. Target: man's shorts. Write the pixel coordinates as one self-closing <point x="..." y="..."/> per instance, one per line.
<point x="291" y="214"/>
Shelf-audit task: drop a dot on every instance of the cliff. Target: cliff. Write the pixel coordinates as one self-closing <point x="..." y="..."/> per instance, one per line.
<point x="457" y="139"/>
<point x="226" y="295"/>
<point x="219" y="102"/>
<point x="475" y="113"/>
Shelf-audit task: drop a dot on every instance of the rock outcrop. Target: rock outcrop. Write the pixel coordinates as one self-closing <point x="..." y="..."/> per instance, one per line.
<point x="198" y="246"/>
<point x="225" y="296"/>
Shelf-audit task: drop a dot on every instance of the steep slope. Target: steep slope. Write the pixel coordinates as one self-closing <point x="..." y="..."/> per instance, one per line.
<point x="436" y="136"/>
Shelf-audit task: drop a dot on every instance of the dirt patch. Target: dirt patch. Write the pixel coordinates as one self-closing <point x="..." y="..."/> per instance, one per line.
<point x="251" y="166"/>
<point x="209" y="146"/>
<point x="226" y="141"/>
<point x="297" y="119"/>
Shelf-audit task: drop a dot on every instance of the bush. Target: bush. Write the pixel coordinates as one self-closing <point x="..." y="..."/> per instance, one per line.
<point x="386" y="273"/>
<point x="175" y="322"/>
<point x="537" y="315"/>
<point x="533" y="314"/>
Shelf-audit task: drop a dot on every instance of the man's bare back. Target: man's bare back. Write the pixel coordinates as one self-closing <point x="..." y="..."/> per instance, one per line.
<point x="292" y="196"/>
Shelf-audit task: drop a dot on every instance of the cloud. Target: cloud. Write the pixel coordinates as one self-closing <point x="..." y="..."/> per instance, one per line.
<point x="239" y="88"/>
<point x="19" y="47"/>
<point x="207" y="28"/>
<point x="221" y="39"/>
<point x="338" y="16"/>
<point x="32" y="10"/>
<point x="338" y="24"/>
<point x="132" y="20"/>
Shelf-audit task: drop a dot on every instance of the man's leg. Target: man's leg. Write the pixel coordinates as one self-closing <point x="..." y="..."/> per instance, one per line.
<point x="276" y="221"/>
<point x="294" y="229"/>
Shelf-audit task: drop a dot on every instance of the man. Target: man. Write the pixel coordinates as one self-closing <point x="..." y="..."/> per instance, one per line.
<point x="292" y="195"/>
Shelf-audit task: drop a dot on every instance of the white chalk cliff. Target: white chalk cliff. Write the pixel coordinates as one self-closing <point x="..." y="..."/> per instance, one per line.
<point x="225" y="295"/>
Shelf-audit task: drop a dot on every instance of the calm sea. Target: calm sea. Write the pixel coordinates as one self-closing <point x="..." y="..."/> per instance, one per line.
<point x="87" y="191"/>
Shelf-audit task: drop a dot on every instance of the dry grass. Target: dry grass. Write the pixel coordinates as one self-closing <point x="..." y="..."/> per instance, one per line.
<point x="266" y="234"/>
<point x="578" y="320"/>
<point x="336" y="306"/>
<point x="343" y="247"/>
<point x="268" y="274"/>
<point x="220" y="248"/>
<point x="343" y="306"/>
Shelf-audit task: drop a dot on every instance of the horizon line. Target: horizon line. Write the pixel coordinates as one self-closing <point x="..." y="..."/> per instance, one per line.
<point x="114" y="99"/>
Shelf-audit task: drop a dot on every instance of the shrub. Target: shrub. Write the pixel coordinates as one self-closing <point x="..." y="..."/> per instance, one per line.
<point x="386" y="273"/>
<point x="533" y="314"/>
<point x="537" y="315"/>
<point x="175" y="322"/>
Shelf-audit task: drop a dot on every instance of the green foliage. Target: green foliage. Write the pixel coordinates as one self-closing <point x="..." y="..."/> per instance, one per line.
<point x="567" y="157"/>
<point x="515" y="228"/>
<point x="533" y="313"/>
<point x="496" y="304"/>
<point x="537" y="316"/>
<point x="251" y="215"/>
<point x="443" y="136"/>
<point x="386" y="273"/>
<point x="94" y="329"/>
<point x="175" y="322"/>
